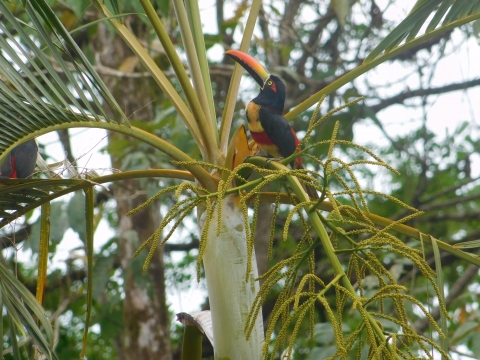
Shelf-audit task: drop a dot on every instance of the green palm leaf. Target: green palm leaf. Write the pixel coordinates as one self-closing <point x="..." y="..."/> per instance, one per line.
<point x="87" y="76"/>
<point x="28" y="194"/>
<point x="37" y="96"/>
<point x="448" y="10"/>
<point x="39" y="88"/>
<point x="25" y="118"/>
<point x="20" y="313"/>
<point x="24" y="195"/>
<point x="453" y="14"/>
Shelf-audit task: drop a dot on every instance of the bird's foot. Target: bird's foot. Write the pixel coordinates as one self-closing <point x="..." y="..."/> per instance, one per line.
<point x="269" y="160"/>
<point x="248" y="157"/>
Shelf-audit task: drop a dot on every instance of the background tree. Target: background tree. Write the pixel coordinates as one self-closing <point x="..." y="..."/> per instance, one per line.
<point x="319" y="50"/>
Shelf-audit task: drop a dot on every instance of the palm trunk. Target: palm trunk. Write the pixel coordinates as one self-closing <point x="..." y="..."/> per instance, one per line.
<point x="231" y="292"/>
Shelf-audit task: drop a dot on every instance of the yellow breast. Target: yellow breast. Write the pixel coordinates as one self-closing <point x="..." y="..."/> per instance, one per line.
<point x="253" y="119"/>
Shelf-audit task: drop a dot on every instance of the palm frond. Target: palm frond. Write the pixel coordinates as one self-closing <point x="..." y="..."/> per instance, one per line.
<point x="194" y="119"/>
<point x="459" y="13"/>
<point x="20" y="314"/>
<point x="191" y="52"/>
<point x="440" y="283"/>
<point x="19" y="196"/>
<point x="232" y="93"/>
<point x="38" y="87"/>
<point x="433" y="10"/>
<point x="193" y="12"/>
<point x="24" y="118"/>
<point x="86" y="75"/>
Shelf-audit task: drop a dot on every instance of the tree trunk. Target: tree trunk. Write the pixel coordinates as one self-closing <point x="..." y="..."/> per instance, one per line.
<point x="145" y="314"/>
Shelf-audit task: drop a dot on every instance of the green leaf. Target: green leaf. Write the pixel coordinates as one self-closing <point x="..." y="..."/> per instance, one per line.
<point x="89" y="232"/>
<point x="439" y="15"/>
<point x="101" y="273"/>
<point x="48" y="190"/>
<point x="79" y="7"/>
<point x="71" y="48"/>
<point x="410" y="25"/>
<point x="341" y="8"/>
<point x="462" y="331"/>
<point x="163" y="6"/>
<point x="323" y="333"/>
<point x="389" y="47"/>
<point x="58" y="221"/>
<point x="476" y="344"/>
<point x="321" y="352"/>
<point x="28" y="322"/>
<point x="476" y="28"/>
<point x="440" y="283"/>
<point x="211" y="40"/>
<point x="19" y="312"/>
<point x="37" y="96"/>
<point x="58" y="226"/>
<point x="76" y="215"/>
<point x="13" y="335"/>
<point x="116" y="9"/>
<point x="422" y="11"/>
<point x="468" y="244"/>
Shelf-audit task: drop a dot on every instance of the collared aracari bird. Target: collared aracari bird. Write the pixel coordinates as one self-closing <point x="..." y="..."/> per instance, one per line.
<point x="21" y="161"/>
<point x="269" y="128"/>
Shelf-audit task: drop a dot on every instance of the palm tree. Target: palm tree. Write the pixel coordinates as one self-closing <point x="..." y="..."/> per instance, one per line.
<point x="35" y="100"/>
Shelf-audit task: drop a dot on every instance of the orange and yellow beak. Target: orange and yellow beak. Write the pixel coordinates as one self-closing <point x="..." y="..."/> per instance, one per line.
<point x="254" y="68"/>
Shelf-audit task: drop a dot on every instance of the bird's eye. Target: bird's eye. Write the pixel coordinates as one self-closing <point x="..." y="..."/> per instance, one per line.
<point x="270" y="83"/>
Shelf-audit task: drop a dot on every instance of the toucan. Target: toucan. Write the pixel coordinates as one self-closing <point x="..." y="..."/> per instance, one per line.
<point x="21" y="161"/>
<point x="267" y="125"/>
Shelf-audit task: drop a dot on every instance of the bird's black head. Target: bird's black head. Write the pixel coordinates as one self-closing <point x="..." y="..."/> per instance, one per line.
<point x="272" y="95"/>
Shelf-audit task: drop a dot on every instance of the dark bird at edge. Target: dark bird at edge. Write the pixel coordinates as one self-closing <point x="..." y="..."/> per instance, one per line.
<point x="20" y="162"/>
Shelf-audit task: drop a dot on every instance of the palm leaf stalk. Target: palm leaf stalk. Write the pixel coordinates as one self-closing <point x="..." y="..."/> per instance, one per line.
<point x="230" y="101"/>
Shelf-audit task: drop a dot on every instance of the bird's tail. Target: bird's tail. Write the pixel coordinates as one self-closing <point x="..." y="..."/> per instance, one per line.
<point x="311" y="191"/>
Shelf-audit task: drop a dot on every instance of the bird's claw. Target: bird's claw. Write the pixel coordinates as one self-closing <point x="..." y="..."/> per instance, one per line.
<point x="269" y="160"/>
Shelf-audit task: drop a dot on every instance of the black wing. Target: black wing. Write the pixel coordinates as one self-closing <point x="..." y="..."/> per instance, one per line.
<point x="6" y="169"/>
<point x="25" y="158"/>
<point x="279" y="131"/>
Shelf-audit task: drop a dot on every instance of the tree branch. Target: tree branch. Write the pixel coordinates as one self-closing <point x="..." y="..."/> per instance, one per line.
<point x="448" y="203"/>
<point x="460" y="285"/>
<point x="449" y="189"/>
<point x="453" y="216"/>
<point x="181" y="247"/>
<point x="13" y="239"/>
<point x="400" y="98"/>
<point x="410" y="54"/>
<point x="314" y="37"/>
<point x="64" y="138"/>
